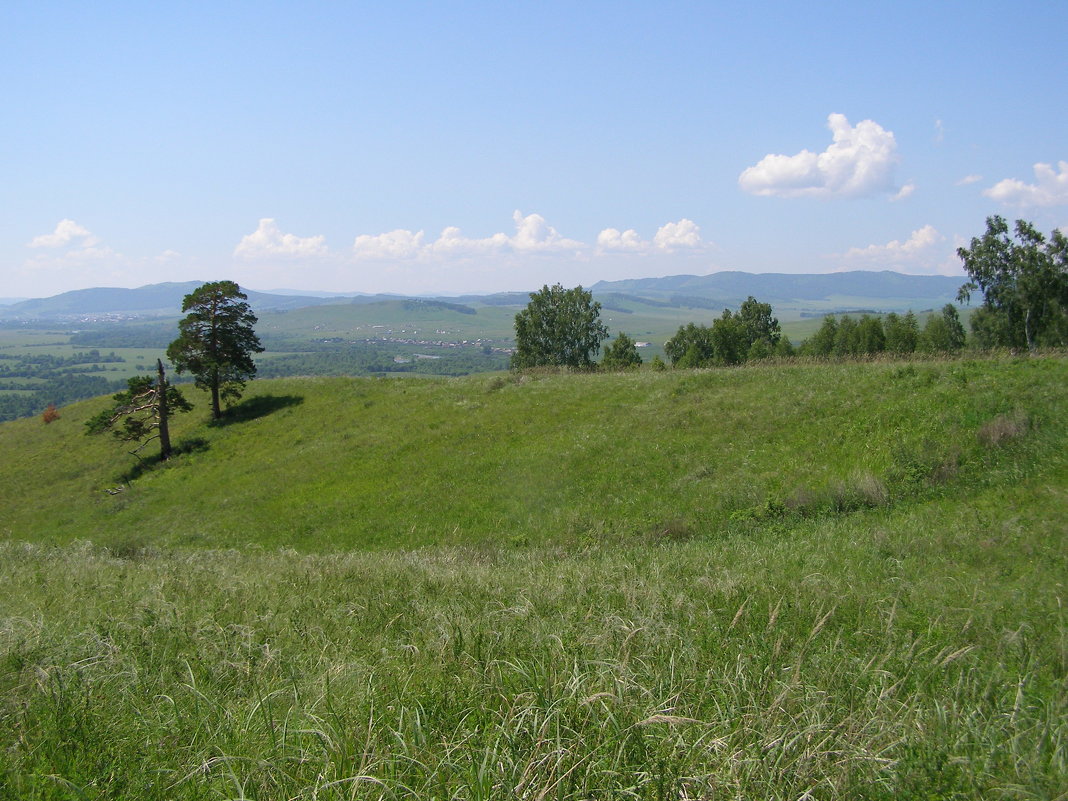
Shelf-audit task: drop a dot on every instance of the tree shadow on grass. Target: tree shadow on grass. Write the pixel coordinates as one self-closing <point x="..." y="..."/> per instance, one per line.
<point x="257" y="407"/>
<point x="147" y="463"/>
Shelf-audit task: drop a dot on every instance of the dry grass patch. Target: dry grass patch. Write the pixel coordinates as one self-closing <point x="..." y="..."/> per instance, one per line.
<point x="1003" y="429"/>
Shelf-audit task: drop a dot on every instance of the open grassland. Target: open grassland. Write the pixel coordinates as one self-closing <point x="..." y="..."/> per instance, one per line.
<point x="809" y="581"/>
<point x="325" y="464"/>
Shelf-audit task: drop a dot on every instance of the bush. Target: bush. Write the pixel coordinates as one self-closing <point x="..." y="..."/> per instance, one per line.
<point x="50" y="413"/>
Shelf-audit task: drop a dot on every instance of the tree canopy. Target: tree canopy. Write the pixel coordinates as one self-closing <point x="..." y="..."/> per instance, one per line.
<point x="216" y="341"/>
<point x="559" y="327"/>
<point x="141" y="412"/>
<point x="733" y="338"/>
<point x="621" y="354"/>
<point x="1024" y="281"/>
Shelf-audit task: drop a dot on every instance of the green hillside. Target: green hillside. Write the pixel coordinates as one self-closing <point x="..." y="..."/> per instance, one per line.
<point x="845" y="580"/>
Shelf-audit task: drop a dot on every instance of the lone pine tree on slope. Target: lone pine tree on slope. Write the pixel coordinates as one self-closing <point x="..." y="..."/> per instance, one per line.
<point x="142" y="412"/>
<point x="216" y="341"/>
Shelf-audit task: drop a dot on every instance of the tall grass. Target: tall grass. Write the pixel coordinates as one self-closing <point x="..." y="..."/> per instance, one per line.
<point x="852" y="659"/>
<point x="835" y="582"/>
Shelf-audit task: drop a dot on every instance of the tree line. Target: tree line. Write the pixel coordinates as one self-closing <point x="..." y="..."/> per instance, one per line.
<point x="1023" y="277"/>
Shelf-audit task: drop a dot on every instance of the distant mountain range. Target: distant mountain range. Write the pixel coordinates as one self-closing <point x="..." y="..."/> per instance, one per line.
<point x="153" y="300"/>
<point x="884" y="291"/>
<point x="731" y="288"/>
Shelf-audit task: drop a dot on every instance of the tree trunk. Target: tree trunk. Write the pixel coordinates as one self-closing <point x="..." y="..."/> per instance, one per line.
<point x="164" y="430"/>
<point x="216" y="411"/>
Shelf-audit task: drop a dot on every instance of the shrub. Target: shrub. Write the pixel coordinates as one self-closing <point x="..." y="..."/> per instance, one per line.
<point x="50" y="413"/>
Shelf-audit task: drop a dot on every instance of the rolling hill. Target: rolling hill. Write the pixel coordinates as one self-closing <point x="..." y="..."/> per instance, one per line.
<point x="841" y="581"/>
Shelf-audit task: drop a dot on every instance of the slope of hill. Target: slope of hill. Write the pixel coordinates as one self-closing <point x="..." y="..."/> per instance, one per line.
<point x="362" y="462"/>
<point x="841" y="581"/>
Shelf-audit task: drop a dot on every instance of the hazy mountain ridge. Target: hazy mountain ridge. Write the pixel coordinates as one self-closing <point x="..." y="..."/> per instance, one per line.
<point x="148" y="301"/>
<point x="734" y="287"/>
<point x="890" y="290"/>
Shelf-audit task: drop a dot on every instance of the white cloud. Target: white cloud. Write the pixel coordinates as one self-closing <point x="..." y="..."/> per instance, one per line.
<point x="67" y="233"/>
<point x="920" y="251"/>
<point x="70" y="244"/>
<point x="681" y="235"/>
<point x="268" y="242"/>
<point x="670" y="237"/>
<point x="1050" y="188"/>
<point x="451" y="241"/>
<point x="969" y="179"/>
<point x="398" y="244"/>
<point x="532" y="233"/>
<point x="905" y="191"/>
<point x="859" y="161"/>
<point x="940" y="132"/>
<point x="612" y="240"/>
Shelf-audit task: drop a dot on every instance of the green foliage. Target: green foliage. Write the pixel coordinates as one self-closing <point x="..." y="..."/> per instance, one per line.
<point x="822" y="342"/>
<point x="558" y="328"/>
<point x="691" y="346"/>
<point x="751" y="333"/>
<point x="216" y="341"/>
<point x="759" y="324"/>
<point x="141" y="412"/>
<point x="902" y="334"/>
<point x="621" y="354"/>
<point x="943" y="333"/>
<point x="1024" y="281"/>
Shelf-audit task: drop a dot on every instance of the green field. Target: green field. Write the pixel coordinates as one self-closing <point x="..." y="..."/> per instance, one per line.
<point x="369" y="337"/>
<point x="826" y="581"/>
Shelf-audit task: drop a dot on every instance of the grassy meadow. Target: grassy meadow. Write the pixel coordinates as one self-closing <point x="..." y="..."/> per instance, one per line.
<point x="824" y="581"/>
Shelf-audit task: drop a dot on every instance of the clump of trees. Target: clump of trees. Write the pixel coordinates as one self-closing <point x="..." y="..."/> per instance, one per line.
<point x="216" y="341"/>
<point x="896" y="334"/>
<point x="751" y="333"/>
<point x="559" y="328"/>
<point x="1024" y="281"/>
<point x="622" y="354"/>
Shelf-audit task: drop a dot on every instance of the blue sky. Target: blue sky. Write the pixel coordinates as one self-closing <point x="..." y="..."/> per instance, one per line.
<point x="478" y="147"/>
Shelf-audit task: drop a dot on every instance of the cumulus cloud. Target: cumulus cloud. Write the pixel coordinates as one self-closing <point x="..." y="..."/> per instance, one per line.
<point x="1049" y="189"/>
<point x="398" y="244"/>
<point x="969" y="179"/>
<point x="919" y="251"/>
<point x="859" y="161"/>
<point x="268" y="242"/>
<point x="612" y="240"/>
<point x="70" y="244"/>
<point x="681" y="235"/>
<point x="532" y="233"/>
<point x="670" y="237"/>
<point x="67" y="233"/>
<point x="451" y="241"/>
